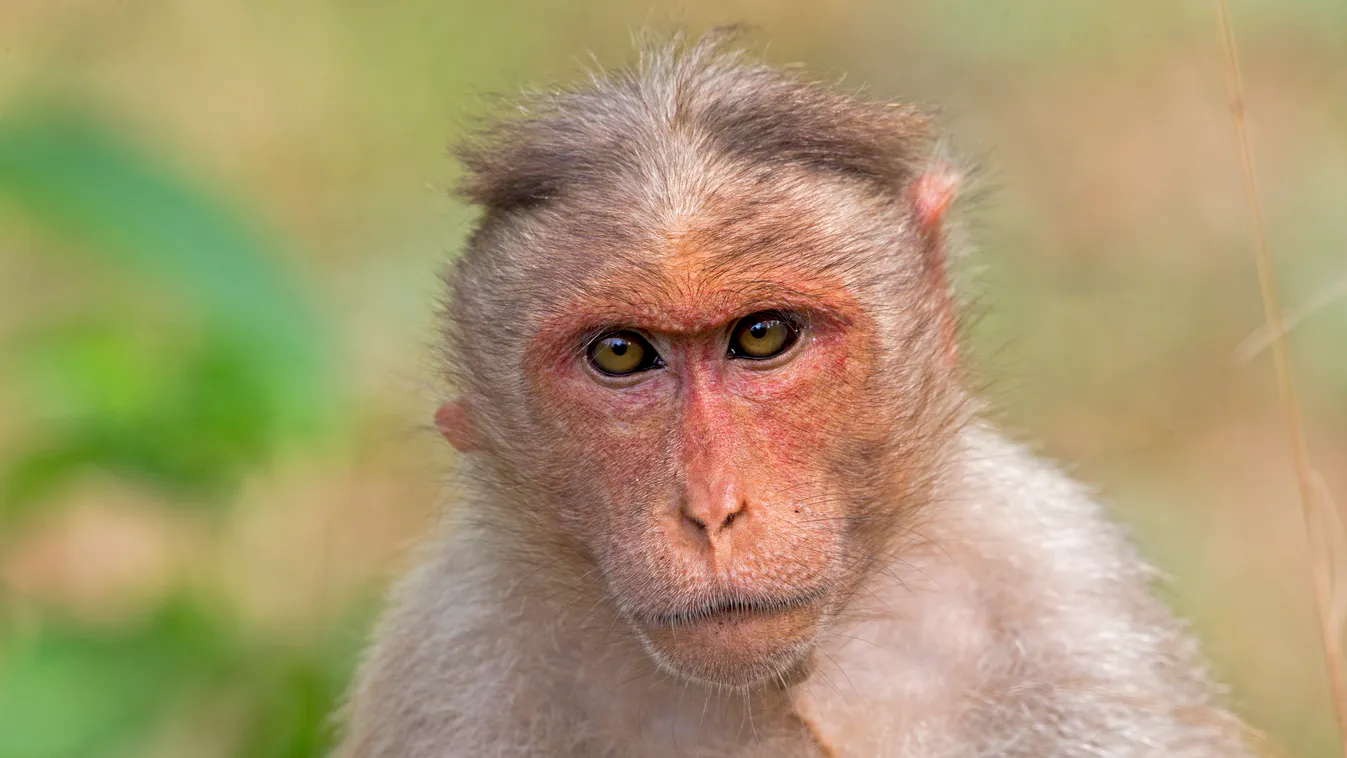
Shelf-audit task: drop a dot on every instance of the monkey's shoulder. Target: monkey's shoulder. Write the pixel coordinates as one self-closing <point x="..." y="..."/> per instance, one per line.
<point x="453" y="664"/>
<point x="1077" y="635"/>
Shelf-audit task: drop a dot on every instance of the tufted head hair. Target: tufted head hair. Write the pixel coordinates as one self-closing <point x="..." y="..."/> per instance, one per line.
<point x="704" y="92"/>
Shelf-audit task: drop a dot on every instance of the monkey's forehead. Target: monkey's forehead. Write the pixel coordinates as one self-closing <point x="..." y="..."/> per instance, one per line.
<point x="716" y="245"/>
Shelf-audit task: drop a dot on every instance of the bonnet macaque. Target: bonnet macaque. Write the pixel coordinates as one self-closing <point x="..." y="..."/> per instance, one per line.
<point x="726" y="490"/>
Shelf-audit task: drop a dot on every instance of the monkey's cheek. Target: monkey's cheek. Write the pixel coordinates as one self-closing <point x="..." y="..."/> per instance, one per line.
<point x="736" y="649"/>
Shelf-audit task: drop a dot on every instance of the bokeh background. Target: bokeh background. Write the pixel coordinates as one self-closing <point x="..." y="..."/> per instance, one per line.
<point x="221" y="224"/>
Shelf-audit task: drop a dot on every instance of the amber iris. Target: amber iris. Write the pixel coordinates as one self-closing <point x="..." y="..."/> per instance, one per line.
<point x="762" y="336"/>
<point x="622" y="353"/>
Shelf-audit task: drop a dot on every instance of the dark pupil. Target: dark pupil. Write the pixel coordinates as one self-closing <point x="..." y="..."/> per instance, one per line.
<point x="758" y="330"/>
<point x="619" y="347"/>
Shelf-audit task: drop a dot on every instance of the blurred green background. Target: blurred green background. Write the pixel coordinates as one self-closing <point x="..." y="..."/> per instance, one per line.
<point x="220" y="226"/>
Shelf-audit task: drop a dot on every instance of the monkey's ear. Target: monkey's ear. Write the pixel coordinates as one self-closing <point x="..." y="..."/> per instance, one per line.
<point x="931" y="194"/>
<point x="454" y="424"/>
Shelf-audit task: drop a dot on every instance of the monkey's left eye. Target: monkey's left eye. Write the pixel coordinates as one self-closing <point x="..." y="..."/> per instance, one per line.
<point x="761" y="336"/>
<point x="622" y="353"/>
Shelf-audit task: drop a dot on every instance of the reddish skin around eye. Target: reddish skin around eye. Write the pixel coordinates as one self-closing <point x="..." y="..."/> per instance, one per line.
<point x="691" y="334"/>
<point x="710" y="399"/>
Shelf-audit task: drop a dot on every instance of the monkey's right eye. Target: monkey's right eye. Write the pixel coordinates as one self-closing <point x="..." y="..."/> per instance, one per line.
<point x="622" y="353"/>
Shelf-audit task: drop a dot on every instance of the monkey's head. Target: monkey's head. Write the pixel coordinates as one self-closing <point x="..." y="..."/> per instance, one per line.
<point x="703" y="342"/>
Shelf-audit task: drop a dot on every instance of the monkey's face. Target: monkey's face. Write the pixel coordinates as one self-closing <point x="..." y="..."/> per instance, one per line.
<point x="723" y="460"/>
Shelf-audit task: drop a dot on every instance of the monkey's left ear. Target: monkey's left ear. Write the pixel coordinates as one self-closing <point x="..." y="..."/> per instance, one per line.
<point x="454" y="424"/>
<point x="931" y="194"/>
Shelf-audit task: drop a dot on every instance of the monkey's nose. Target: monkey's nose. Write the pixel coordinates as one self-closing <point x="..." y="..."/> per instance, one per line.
<point x="714" y="515"/>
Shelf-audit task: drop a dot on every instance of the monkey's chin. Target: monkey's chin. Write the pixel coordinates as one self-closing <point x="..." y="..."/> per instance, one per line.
<point x="735" y="647"/>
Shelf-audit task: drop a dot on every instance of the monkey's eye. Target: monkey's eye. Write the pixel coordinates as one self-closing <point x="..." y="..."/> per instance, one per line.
<point x="761" y="336"/>
<point x="622" y="353"/>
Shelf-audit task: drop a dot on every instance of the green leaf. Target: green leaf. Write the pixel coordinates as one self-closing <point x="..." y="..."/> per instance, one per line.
<point x="189" y="402"/>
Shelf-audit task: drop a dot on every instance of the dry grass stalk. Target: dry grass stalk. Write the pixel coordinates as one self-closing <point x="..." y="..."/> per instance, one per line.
<point x="1262" y="338"/>
<point x="1322" y="524"/>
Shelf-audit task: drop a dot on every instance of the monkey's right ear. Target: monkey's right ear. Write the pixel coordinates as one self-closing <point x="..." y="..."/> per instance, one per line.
<point x="454" y="424"/>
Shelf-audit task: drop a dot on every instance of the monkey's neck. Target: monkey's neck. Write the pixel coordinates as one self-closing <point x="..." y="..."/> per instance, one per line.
<point x="908" y="651"/>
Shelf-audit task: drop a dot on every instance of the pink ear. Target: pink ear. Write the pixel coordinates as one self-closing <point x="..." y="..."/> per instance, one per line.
<point x="932" y="194"/>
<point x="452" y="420"/>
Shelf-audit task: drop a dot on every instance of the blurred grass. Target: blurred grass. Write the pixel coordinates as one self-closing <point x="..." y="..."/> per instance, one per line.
<point x="217" y="260"/>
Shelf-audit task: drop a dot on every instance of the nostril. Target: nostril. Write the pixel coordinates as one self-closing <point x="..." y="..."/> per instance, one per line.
<point x="733" y="516"/>
<point x="730" y="519"/>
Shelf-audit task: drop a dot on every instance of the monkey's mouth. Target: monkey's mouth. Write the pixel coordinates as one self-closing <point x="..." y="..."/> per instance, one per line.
<point x="732" y="606"/>
<point x="735" y="641"/>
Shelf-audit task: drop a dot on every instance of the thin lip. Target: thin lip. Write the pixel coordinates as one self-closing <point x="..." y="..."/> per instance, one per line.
<point x="731" y="605"/>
